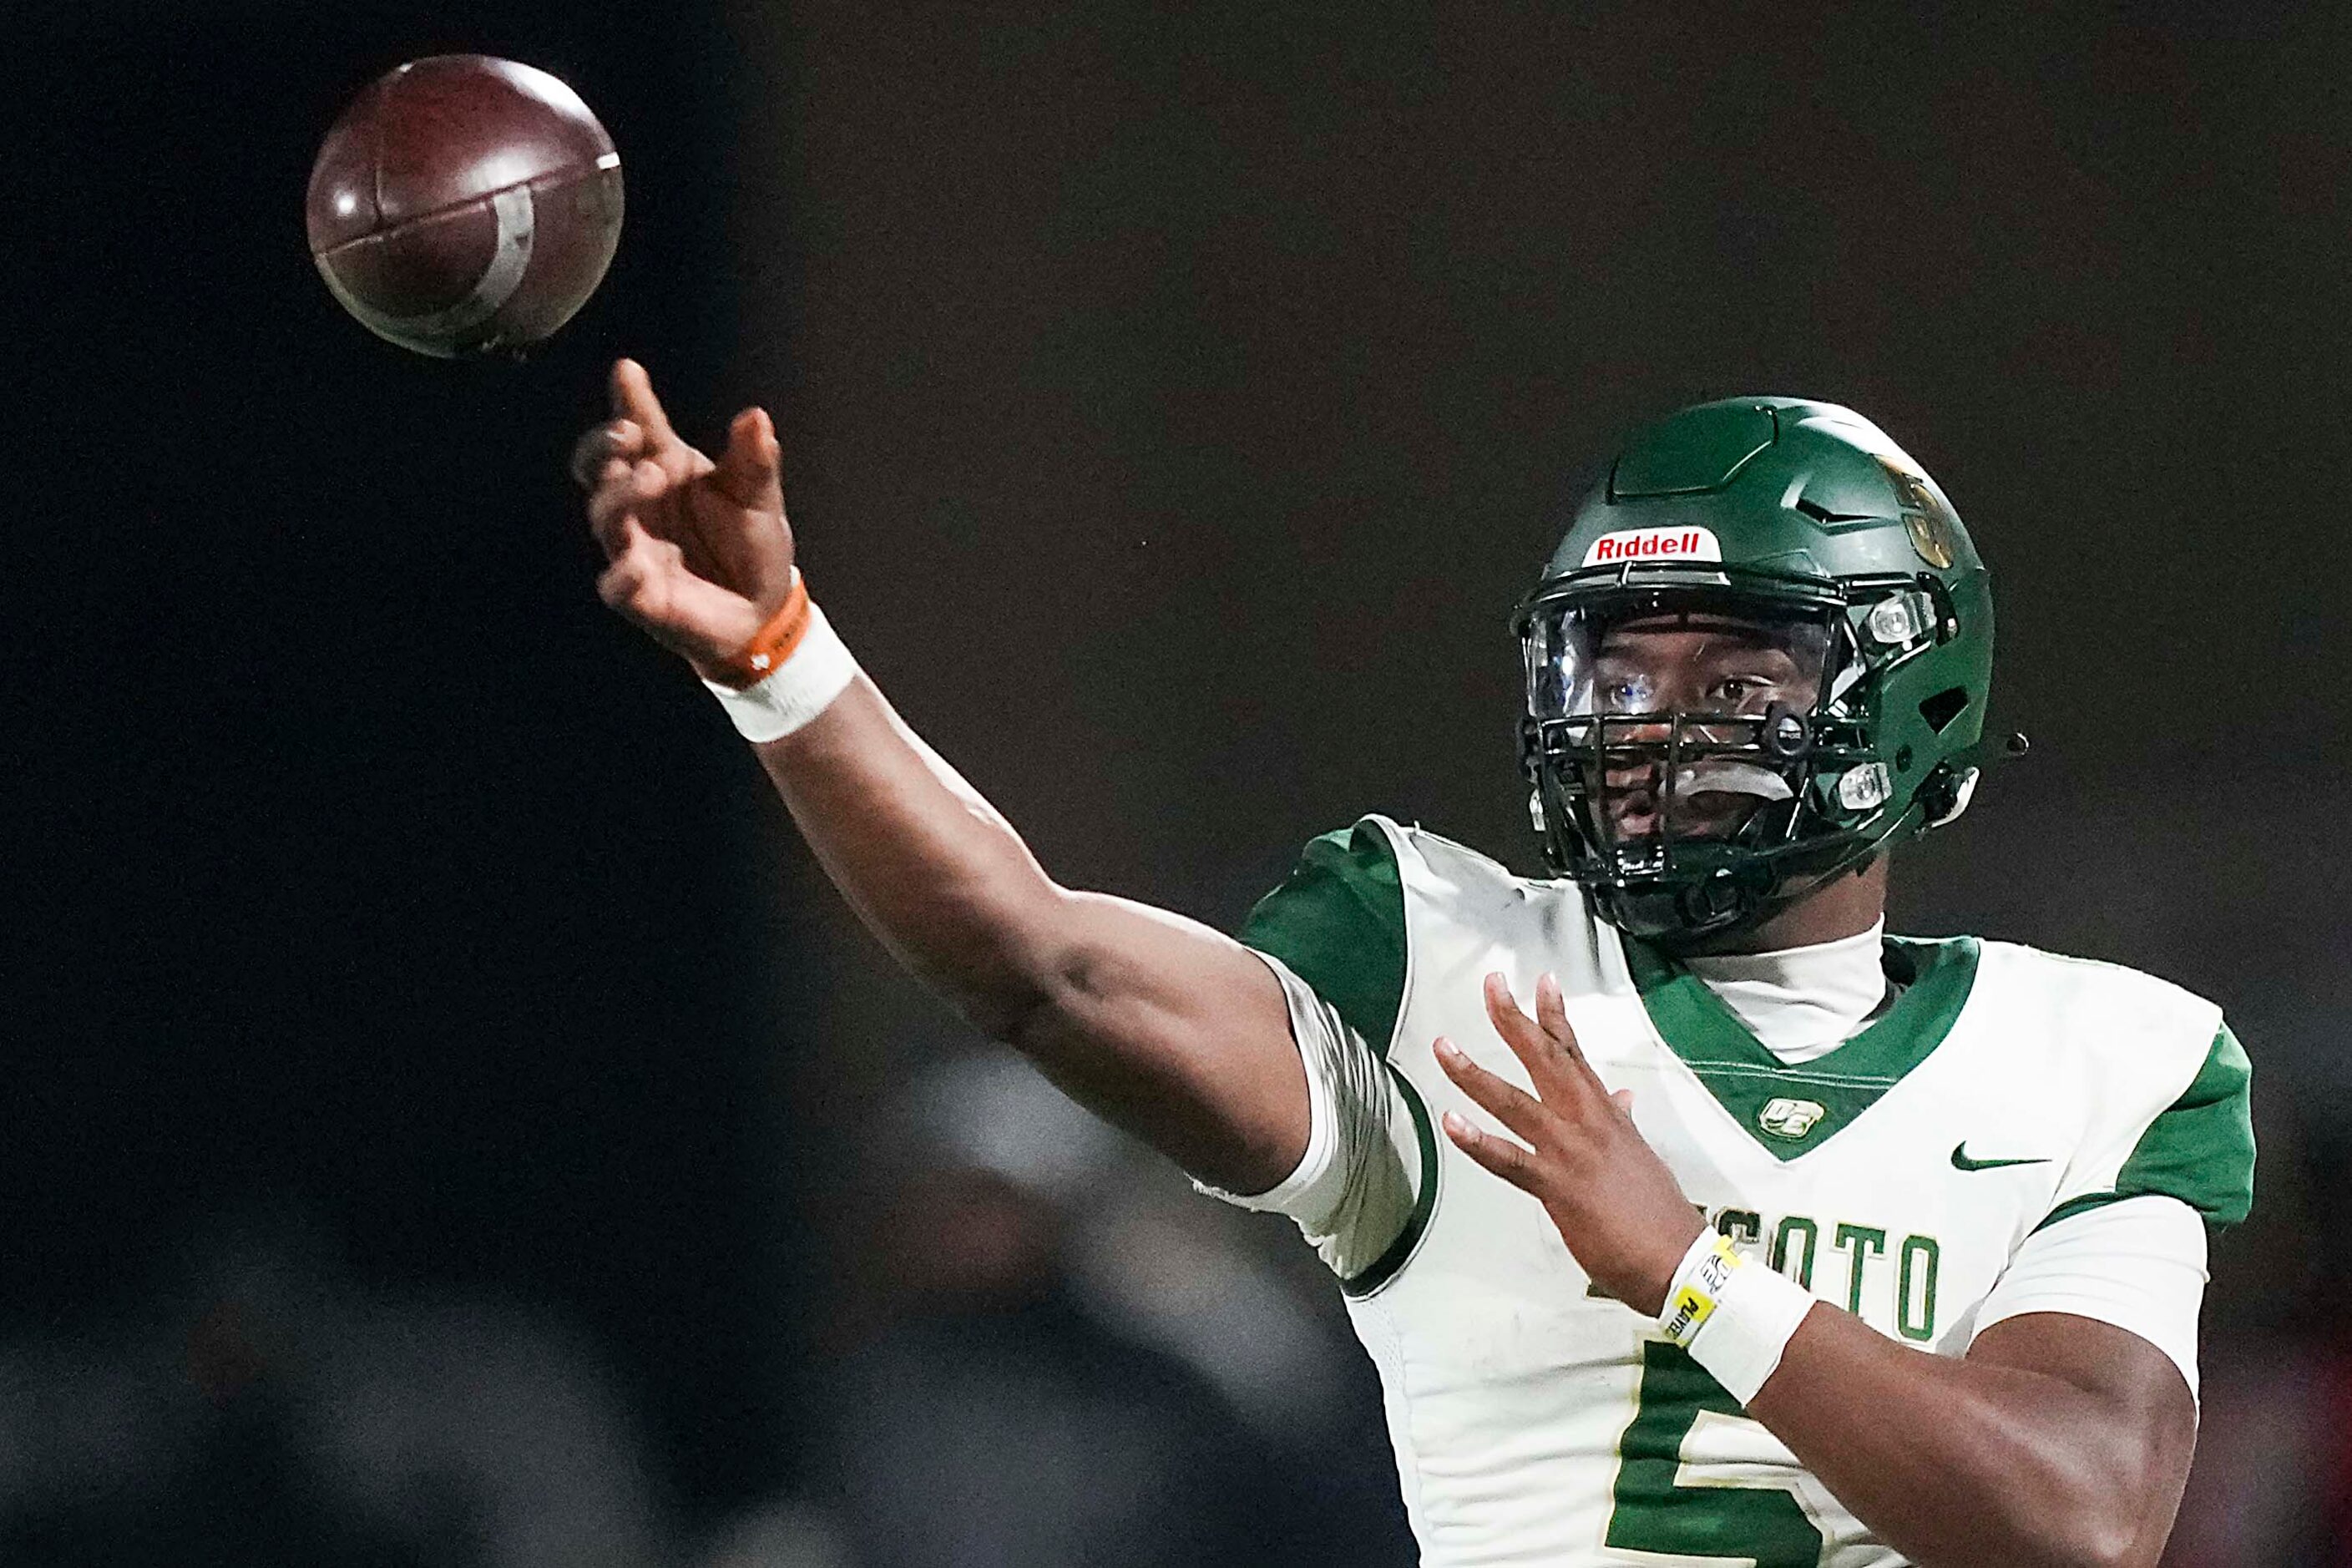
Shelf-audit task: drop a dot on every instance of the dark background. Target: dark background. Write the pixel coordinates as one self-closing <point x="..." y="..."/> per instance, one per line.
<point x="1174" y="403"/>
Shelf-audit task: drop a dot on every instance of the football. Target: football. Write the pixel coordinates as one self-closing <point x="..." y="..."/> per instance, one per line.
<point x="464" y="205"/>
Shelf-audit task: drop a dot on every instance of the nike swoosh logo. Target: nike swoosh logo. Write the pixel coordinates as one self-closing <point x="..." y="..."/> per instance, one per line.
<point x="1960" y="1161"/>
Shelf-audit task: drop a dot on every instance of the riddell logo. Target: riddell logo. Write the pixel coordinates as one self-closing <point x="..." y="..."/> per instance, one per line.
<point x="1654" y="545"/>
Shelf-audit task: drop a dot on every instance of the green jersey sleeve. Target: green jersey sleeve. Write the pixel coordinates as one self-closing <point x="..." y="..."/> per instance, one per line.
<point x="2198" y="1149"/>
<point x="1338" y="921"/>
<point x="2201" y="1150"/>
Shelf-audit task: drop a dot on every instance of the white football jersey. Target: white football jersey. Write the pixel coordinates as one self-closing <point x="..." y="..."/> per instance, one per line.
<point x="2014" y="1132"/>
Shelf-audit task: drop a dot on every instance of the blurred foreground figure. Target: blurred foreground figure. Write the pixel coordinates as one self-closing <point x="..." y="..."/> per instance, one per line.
<point x="1843" y="1248"/>
<point x="995" y="1419"/>
<point x="309" y="1418"/>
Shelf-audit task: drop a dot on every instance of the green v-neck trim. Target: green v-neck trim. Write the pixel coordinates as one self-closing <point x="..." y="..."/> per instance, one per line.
<point x="1812" y="1102"/>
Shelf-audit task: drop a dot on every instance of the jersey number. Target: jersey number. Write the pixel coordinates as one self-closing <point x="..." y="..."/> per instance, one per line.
<point x="1743" y="1521"/>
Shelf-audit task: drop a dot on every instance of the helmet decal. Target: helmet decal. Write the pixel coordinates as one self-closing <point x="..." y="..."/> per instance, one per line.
<point x="1925" y="516"/>
<point x="1928" y="538"/>
<point x="1692" y="544"/>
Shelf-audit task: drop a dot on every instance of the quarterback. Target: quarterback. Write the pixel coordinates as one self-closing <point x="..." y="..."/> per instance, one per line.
<point x="1689" y="1217"/>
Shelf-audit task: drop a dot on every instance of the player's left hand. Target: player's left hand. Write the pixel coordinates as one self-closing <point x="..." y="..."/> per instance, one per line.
<point x="1618" y="1208"/>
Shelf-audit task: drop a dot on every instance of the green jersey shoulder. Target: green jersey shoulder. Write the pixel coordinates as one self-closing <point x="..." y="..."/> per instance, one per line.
<point x="1347" y="918"/>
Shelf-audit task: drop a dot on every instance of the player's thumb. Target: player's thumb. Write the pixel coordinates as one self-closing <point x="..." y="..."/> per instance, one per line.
<point x="749" y="469"/>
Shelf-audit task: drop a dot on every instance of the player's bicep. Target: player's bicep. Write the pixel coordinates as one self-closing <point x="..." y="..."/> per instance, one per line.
<point x="2131" y="1377"/>
<point x="1187" y="1038"/>
<point x="1177" y="1034"/>
<point x="2105" y="1301"/>
<point x="2133" y="1429"/>
<point x="2137" y="1264"/>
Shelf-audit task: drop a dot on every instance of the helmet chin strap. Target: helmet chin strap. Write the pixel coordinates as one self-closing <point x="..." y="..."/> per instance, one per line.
<point x="1672" y="918"/>
<point x="1710" y="909"/>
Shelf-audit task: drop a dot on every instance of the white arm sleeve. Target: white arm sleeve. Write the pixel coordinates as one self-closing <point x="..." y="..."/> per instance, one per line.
<point x="2138" y="1264"/>
<point x="1352" y="1191"/>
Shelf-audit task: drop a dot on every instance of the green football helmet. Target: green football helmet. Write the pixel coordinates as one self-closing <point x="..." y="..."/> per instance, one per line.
<point x="1761" y="654"/>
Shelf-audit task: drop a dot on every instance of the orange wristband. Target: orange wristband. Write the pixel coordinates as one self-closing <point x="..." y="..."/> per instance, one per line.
<point x="771" y="644"/>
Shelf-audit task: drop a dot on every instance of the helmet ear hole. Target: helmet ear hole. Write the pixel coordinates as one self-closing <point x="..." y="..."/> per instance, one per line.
<point x="1947" y="705"/>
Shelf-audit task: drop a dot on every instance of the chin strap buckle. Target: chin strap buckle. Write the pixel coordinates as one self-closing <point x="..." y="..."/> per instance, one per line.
<point x="1956" y="790"/>
<point x="1949" y="789"/>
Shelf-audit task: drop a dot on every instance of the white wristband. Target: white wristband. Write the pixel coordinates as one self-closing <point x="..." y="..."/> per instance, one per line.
<point x="801" y="688"/>
<point x="1735" y="1316"/>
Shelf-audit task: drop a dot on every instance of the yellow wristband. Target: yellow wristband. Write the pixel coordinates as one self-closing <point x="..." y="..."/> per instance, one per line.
<point x="1732" y="1314"/>
<point x="1699" y="1287"/>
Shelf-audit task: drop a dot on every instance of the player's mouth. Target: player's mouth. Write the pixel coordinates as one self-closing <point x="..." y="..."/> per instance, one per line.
<point x="1713" y="799"/>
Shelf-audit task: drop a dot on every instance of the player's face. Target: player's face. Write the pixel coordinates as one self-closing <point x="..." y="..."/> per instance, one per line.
<point x="1694" y="665"/>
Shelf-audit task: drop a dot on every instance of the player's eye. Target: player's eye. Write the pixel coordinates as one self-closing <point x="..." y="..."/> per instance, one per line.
<point x="1625" y="694"/>
<point x="1738" y="691"/>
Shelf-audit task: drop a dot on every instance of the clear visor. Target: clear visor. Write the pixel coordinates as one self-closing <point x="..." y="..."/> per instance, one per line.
<point x="1584" y="662"/>
<point x="1669" y="715"/>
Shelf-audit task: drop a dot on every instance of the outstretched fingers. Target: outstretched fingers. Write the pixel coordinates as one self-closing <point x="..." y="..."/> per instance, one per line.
<point x="1505" y="1101"/>
<point x="1545" y="1044"/>
<point x="648" y="578"/>
<point x="634" y="399"/>
<point x="622" y="489"/>
<point x="634" y="580"/>
<point x="1512" y="1161"/>
<point x="618" y="438"/>
<point x="749" y="471"/>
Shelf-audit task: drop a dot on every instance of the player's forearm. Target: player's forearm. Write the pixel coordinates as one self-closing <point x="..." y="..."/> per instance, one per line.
<point x="1171" y="1031"/>
<point x="1958" y="1463"/>
<point x="930" y="865"/>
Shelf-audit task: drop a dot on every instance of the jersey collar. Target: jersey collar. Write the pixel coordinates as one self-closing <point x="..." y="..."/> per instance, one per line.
<point x="1791" y="1111"/>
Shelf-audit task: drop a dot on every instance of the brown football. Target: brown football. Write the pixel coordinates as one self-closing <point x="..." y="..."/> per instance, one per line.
<point x="463" y="204"/>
